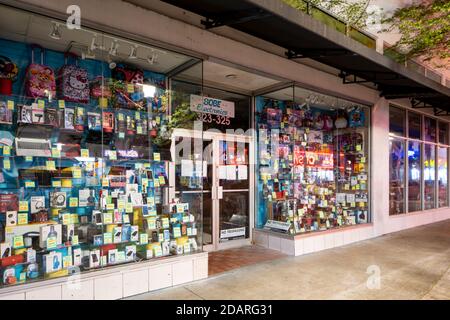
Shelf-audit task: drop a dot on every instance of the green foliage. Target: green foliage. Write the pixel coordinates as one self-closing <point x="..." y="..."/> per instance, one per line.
<point x="352" y="12"/>
<point x="424" y="29"/>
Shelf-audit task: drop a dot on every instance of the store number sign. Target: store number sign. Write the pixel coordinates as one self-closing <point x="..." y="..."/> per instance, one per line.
<point x="213" y="110"/>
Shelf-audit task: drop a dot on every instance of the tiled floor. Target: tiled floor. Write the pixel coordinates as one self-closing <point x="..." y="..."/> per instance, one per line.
<point x="411" y="264"/>
<point x="226" y="260"/>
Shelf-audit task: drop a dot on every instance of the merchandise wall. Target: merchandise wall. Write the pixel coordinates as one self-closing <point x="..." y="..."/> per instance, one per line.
<point x="85" y="152"/>
<point x="313" y="170"/>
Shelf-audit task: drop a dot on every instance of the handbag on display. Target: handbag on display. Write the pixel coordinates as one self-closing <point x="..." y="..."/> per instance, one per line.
<point x="8" y="74"/>
<point x="73" y="81"/>
<point x="40" y="79"/>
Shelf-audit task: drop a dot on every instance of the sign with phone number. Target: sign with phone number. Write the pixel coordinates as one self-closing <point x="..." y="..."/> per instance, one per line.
<point x="214" y="107"/>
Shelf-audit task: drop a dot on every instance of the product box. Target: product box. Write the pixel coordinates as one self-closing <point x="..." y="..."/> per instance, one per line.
<point x="117" y="234"/>
<point x="165" y="246"/>
<point x="94" y="259"/>
<point x="5" y="250"/>
<point x="52" y="262"/>
<point x="98" y="240"/>
<point x="8" y="202"/>
<point x="11" y="218"/>
<point x="31" y="255"/>
<point x="86" y="198"/>
<point x="54" y="230"/>
<point x="37" y="203"/>
<point x="94" y="121"/>
<point x="51" y="117"/>
<point x="58" y="199"/>
<point x="77" y="256"/>
<point x="134" y="236"/>
<point x="112" y="256"/>
<point x="130" y="253"/>
<point x="69" y="118"/>
<point x="68" y="232"/>
<point x="6" y="114"/>
<point x="37" y="116"/>
<point x="126" y="233"/>
<point x="25" y="114"/>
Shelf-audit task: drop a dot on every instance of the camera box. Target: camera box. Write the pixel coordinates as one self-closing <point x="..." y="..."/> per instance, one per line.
<point x="58" y="199"/>
<point x="5" y="250"/>
<point x="112" y="256"/>
<point x="37" y="203"/>
<point x="117" y="236"/>
<point x="68" y="232"/>
<point x="134" y="236"/>
<point x="31" y="255"/>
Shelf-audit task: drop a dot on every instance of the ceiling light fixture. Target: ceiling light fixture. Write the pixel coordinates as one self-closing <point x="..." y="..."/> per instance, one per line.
<point x="231" y="76"/>
<point x="133" y="52"/>
<point x="111" y="63"/>
<point x="114" y="47"/>
<point x="94" y="45"/>
<point x="55" y="34"/>
<point x="152" y="59"/>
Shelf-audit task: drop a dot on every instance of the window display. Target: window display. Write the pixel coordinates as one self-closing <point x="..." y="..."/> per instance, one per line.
<point x="313" y="163"/>
<point x="82" y="183"/>
<point x="397" y="176"/>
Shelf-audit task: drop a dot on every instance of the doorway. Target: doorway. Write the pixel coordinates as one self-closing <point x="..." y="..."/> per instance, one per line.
<point x="224" y="192"/>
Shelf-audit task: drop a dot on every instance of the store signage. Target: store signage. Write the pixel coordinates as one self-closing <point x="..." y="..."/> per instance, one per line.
<point x="312" y="159"/>
<point x="277" y="226"/>
<point x="232" y="233"/>
<point x="212" y="106"/>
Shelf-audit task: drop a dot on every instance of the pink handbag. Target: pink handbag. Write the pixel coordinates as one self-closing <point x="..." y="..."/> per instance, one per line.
<point x="40" y="79"/>
<point x="73" y="81"/>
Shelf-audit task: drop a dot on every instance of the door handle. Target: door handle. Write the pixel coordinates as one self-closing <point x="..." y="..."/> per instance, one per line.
<point x="219" y="193"/>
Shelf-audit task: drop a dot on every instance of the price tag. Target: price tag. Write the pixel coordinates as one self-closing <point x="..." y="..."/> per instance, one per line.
<point x="84" y="153"/>
<point x="56" y="153"/>
<point x="6" y="164"/>
<point x="129" y="208"/>
<point x="110" y="206"/>
<point x="143" y="238"/>
<point x="22" y="218"/>
<point x="61" y="104"/>
<point x="30" y="184"/>
<point x="41" y="104"/>
<point x="176" y="232"/>
<point x="112" y="155"/>
<point x="56" y="183"/>
<point x="103" y="102"/>
<point x="358" y="147"/>
<point x="165" y="222"/>
<point x="363" y="160"/>
<point x="51" y="242"/>
<point x="107" y="238"/>
<point x="76" y="173"/>
<point x="187" y="247"/>
<point x="73" y="202"/>
<point x="50" y="164"/>
<point x="10" y="105"/>
<point x="105" y="182"/>
<point x="158" y="120"/>
<point x="126" y="218"/>
<point x="18" y="242"/>
<point x="151" y="223"/>
<point x="352" y="205"/>
<point x="6" y="150"/>
<point x="156" y="183"/>
<point x="67" y="261"/>
<point x="150" y="201"/>
<point x="156" y="156"/>
<point x="139" y="130"/>
<point x="121" y="204"/>
<point x="75" y="240"/>
<point x="107" y="218"/>
<point x="161" y="179"/>
<point x="130" y="88"/>
<point x="28" y="158"/>
<point x="137" y="115"/>
<point x="23" y="206"/>
<point x="66" y="218"/>
<point x="157" y="252"/>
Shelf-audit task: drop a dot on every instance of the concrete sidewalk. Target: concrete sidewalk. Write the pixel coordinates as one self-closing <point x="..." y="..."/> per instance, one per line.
<point x="413" y="264"/>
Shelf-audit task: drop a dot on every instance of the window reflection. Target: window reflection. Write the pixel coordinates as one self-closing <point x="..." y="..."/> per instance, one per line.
<point x="397" y="177"/>
<point x="414" y="173"/>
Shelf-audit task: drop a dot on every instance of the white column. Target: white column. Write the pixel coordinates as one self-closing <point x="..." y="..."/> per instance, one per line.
<point x="380" y="166"/>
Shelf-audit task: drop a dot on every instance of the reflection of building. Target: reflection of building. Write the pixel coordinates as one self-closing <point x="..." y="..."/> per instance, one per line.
<point x="314" y="173"/>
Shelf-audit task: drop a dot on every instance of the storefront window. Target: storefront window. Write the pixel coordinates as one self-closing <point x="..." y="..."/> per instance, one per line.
<point x="430" y="130"/>
<point x="313" y="161"/>
<point x="85" y="155"/>
<point x="414" y="125"/>
<point x="414" y="177"/>
<point x="397" y="118"/>
<point x="443" y="176"/>
<point x="397" y="177"/>
<point x="443" y="132"/>
<point x="429" y="175"/>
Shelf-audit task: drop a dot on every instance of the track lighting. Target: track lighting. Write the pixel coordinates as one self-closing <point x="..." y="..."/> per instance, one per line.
<point x="111" y="63"/>
<point x="94" y="45"/>
<point x="152" y="59"/>
<point x="55" y="34"/>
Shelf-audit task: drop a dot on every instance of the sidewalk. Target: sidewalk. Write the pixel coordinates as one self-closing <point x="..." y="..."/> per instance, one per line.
<point x="413" y="264"/>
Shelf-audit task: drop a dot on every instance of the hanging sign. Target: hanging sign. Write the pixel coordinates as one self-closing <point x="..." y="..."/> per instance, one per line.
<point x="212" y="106"/>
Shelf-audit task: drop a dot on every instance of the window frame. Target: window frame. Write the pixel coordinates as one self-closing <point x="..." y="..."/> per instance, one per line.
<point x="436" y="145"/>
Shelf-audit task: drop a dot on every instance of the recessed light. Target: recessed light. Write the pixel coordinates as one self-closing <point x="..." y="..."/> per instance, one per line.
<point x="231" y="76"/>
<point x="55" y="34"/>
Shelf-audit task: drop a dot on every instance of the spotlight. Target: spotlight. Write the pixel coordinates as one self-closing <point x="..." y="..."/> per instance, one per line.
<point x="94" y="45"/>
<point x="152" y="59"/>
<point x="114" y="47"/>
<point x="55" y="34"/>
<point x="111" y="63"/>
<point x="133" y="52"/>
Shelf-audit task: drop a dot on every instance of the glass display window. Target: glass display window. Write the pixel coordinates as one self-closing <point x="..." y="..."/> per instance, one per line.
<point x="397" y="118"/>
<point x="396" y="176"/>
<point x="85" y="153"/>
<point x="414" y="176"/>
<point x="443" y="176"/>
<point x="313" y="161"/>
